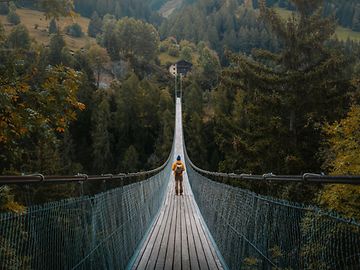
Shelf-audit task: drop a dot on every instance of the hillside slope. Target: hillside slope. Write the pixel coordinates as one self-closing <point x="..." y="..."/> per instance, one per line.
<point x="38" y="25"/>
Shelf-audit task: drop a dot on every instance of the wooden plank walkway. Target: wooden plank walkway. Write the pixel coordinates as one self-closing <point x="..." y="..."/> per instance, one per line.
<point x="178" y="239"/>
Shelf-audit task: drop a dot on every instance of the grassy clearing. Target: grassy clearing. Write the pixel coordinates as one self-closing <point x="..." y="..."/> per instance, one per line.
<point x="30" y="18"/>
<point x="284" y="13"/>
<point x="166" y="58"/>
<point x="341" y="33"/>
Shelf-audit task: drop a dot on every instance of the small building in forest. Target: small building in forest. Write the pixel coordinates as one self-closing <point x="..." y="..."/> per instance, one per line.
<point x="172" y="70"/>
<point x="181" y="67"/>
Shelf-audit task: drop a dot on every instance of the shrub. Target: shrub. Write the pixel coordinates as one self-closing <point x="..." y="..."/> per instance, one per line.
<point x="174" y="51"/>
<point x="53" y="27"/>
<point x="13" y="18"/>
<point x="74" y="30"/>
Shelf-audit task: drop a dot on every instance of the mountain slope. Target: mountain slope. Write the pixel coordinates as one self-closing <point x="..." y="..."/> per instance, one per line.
<point x="38" y="26"/>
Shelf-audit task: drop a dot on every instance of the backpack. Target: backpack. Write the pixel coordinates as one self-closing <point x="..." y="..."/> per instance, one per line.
<point x="178" y="169"/>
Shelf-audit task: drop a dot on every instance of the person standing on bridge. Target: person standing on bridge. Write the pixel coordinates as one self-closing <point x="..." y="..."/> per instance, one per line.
<point x="178" y="168"/>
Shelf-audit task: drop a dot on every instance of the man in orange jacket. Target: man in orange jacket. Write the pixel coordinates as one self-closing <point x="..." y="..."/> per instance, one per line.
<point x="178" y="169"/>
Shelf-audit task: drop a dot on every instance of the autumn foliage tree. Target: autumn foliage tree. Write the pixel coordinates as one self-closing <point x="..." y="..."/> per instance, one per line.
<point x="343" y="158"/>
<point x="37" y="104"/>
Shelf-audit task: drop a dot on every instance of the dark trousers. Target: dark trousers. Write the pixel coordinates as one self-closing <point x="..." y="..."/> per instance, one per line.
<point x="178" y="184"/>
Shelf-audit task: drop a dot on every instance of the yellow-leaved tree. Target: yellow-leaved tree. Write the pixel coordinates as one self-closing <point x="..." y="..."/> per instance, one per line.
<point x="343" y="158"/>
<point x="33" y="115"/>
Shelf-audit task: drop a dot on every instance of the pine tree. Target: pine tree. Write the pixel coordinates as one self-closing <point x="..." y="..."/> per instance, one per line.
<point x="98" y="58"/>
<point x="102" y="156"/>
<point x="13" y="17"/>
<point x="95" y="25"/>
<point x="126" y="113"/>
<point x="53" y="27"/>
<point x="130" y="162"/>
<point x="186" y="54"/>
<point x="287" y="94"/>
<point x="57" y="43"/>
<point x="19" y="38"/>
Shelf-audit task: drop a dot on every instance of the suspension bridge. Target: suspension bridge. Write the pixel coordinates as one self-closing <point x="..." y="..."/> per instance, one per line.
<point x="144" y="225"/>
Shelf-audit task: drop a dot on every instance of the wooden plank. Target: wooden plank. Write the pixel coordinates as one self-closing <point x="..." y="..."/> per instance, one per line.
<point x="139" y="262"/>
<point x="160" y="262"/>
<point x="194" y="263"/>
<point x="157" y="242"/>
<point x="197" y="242"/>
<point x="144" y="255"/>
<point x="171" y="244"/>
<point x="205" y="243"/>
<point x="177" y="251"/>
<point x="185" y="259"/>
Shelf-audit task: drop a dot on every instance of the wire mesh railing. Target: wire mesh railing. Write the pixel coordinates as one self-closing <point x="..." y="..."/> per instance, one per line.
<point x="258" y="232"/>
<point x="87" y="232"/>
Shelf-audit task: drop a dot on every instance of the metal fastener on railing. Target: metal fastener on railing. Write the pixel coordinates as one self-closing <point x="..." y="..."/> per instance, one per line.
<point x="86" y="177"/>
<point x="265" y="176"/>
<point x="42" y="177"/>
<point x="307" y="175"/>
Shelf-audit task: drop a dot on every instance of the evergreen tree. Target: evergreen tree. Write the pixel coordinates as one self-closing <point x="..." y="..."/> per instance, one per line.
<point x="137" y="39"/>
<point x="186" y="54"/>
<point x="13" y="17"/>
<point x="130" y="162"/>
<point x="57" y="43"/>
<point x="19" y="38"/>
<point x="102" y="156"/>
<point x="284" y="96"/>
<point x="126" y="113"/>
<point x="12" y="6"/>
<point x="166" y="121"/>
<point x="193" y="108"/>
<point x="53" y="27"/>
<point x="95" y="25"/>
<point x="210" y="65"/>
<point x="109" y="38"/>
<point x="74" y="30"/>
<point x="98" y="57"/>
<point x="68" y="155"/>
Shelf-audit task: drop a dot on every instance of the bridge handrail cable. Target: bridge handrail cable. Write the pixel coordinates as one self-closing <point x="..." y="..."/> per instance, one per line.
<point x="40" y="178"/>
<point x="305" y="178"/>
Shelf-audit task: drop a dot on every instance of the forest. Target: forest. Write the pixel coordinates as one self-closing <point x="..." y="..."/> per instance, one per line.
<point x="86" y="94"/>
<point x="266" y="94"/>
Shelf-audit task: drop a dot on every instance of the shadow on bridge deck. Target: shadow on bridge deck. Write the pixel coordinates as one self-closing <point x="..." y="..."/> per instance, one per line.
<point x="179" y="238"/>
